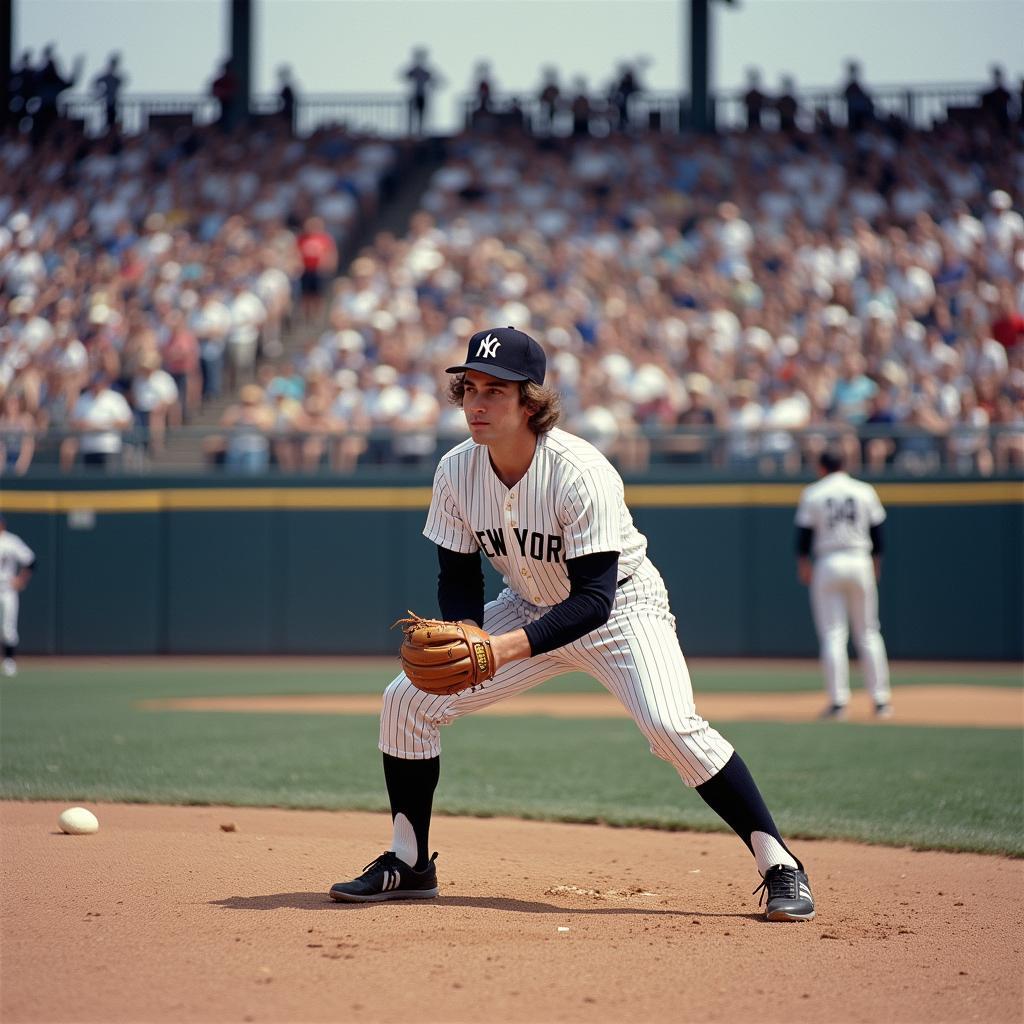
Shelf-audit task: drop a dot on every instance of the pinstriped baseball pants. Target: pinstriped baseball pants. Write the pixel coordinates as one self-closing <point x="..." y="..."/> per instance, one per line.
<point x="635" y="656"/>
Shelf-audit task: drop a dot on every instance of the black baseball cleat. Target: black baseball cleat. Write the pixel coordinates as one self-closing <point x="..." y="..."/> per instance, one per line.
<point x="833" y="713"/>
<point x="789" y="894"/>
<point x="883" y="711"/>
<point x="388" y="878"/>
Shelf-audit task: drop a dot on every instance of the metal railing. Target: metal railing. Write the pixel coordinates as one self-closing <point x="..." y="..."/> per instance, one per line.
<point x="387" y="114"/>
<point x="919" y="106"/>
<point x="875" y="451"/>
<point x="364" y="113"/>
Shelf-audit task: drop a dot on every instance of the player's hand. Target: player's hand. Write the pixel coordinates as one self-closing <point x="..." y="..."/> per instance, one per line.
<point x="803" y="571"/>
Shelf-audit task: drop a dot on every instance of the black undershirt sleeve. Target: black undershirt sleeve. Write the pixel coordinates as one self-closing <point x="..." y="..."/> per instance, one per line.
<point x="804" y="536"/>
<point x="460" y="586"/>
<point x="877" y="540"/>
<point x="592" y="582"/>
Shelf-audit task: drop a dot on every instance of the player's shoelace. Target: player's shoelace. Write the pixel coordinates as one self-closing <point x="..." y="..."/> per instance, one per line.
<point x="381" y="862"/>
<point x="778" y="883"/>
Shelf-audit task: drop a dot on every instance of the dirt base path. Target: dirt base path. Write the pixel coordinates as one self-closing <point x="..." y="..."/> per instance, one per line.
<point x="162" y="916"/>
<point x="973" y="706"/>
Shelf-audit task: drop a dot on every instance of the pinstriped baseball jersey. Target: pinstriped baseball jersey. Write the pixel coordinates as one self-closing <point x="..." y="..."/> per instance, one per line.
<point x="569" y="503"/>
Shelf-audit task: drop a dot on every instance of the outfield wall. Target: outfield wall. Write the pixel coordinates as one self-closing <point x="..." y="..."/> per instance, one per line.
<point x="142" y="566"/>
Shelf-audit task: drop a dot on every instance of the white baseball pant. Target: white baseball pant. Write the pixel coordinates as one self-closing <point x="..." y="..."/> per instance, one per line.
<point x="843" y="591"/>
<point x="635" y="656"/>
<point x="9" y="616"/>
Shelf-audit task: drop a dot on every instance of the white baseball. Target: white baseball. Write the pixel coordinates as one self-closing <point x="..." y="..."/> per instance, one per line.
<point x="78" y="821"/>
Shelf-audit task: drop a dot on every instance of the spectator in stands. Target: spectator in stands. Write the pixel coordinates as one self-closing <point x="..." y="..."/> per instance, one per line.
<point x="967" y="441"/>
<point x="624" y="88"/>
<point x="318" y="431"/>
<point x="225" y="90"/>
<point x="549" y="97"/>
<point x="995" y="102"/>
<point x="319" y="256"/>
<point x="348" y="410"/>
<point x="694" y="444"/>
<point x="17" y="434"/>
<point x="180" y="358"/>
<point x="1004" y="228"/>
<point x="47" y="85"/>
<point x="853" y="391"/>
<point x="422" y="81"/>
<point x="107" y="86"/>
<point x="483" y="89"/>
<point x="248" y="316"/>
<point x="415" y="441"/>
<point x="860" y="107"/>
<point x="786" y="106"/>
<point x="287" y="98"/>
<point x="154" y="397"/>
<point x="211" y="324"/>
<point x="581" y="110"/>
<point x="754" y="101"/>
<point x="100" y="418"/>
<point x="743" y="420"/>
<point x="248" y="424"/>
<point x="1008" y="441"/>
<point x="879" y="447"/>
<point x="1008" y="322"/>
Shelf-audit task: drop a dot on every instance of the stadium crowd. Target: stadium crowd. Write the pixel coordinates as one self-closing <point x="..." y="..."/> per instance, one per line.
<point x="141" y="276"/>
<point x="737" y="300"/>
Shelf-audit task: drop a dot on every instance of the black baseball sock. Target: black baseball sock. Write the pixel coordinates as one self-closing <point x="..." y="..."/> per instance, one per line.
<point x="411" y="785"/>
<point x="733" y="795"/>
<point x="10" y="650"/>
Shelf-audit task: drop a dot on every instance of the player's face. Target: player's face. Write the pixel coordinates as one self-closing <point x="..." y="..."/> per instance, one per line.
<point x="493" y="410"/>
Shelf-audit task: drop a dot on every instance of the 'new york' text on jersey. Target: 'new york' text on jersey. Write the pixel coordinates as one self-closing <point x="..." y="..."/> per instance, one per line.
<point x="569" y="503"/>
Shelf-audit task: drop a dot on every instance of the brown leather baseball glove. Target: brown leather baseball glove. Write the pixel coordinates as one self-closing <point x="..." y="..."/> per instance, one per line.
<point x="445" y="657"/>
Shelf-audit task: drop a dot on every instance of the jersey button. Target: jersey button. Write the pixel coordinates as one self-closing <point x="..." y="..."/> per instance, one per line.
<point x="536" y="598"/>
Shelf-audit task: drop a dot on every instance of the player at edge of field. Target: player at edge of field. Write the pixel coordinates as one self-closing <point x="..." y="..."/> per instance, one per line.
<point x="840" y="519"/>
<point x="547" y="510"/>
<point x="16" y="564"/>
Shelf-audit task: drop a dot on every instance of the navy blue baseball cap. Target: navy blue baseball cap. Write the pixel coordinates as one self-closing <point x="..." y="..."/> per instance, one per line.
<point x="505" y="353"/>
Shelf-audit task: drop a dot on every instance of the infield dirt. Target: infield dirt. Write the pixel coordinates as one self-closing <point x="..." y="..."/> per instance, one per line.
<point x="164" y="916"/>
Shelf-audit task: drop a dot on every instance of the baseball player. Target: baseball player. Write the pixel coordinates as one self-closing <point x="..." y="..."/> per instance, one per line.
<point x="547" y="510"/>
<point x="841" y="518"/>
<point x="16" y="564"/>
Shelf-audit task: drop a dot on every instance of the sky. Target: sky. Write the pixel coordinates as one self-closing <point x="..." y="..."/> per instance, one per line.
<point x="360" y="45"/>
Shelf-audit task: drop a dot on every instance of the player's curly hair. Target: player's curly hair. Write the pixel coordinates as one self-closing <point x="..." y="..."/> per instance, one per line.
<point x="544" y="402"/>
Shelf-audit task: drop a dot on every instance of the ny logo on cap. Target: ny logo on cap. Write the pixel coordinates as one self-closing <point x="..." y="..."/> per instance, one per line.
<point x="488" y="347"/>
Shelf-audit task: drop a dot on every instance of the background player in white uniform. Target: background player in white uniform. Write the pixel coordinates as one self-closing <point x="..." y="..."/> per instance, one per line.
<point x="16" y="563"/>
<point x="841" y="518"/>
<point x="547" y="509"/>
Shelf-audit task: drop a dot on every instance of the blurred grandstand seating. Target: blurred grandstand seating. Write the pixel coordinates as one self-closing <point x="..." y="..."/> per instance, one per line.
<point x="730" y="302"/>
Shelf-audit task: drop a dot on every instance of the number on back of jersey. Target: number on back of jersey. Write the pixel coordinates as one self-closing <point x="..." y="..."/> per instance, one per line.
<point x="838" y="512"/>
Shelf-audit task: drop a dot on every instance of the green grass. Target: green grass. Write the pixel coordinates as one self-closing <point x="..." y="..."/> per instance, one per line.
<point x="75" y="733"/>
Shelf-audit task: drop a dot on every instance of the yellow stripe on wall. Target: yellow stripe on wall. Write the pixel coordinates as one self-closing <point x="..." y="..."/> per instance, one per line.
<point x="386" y="498"/>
